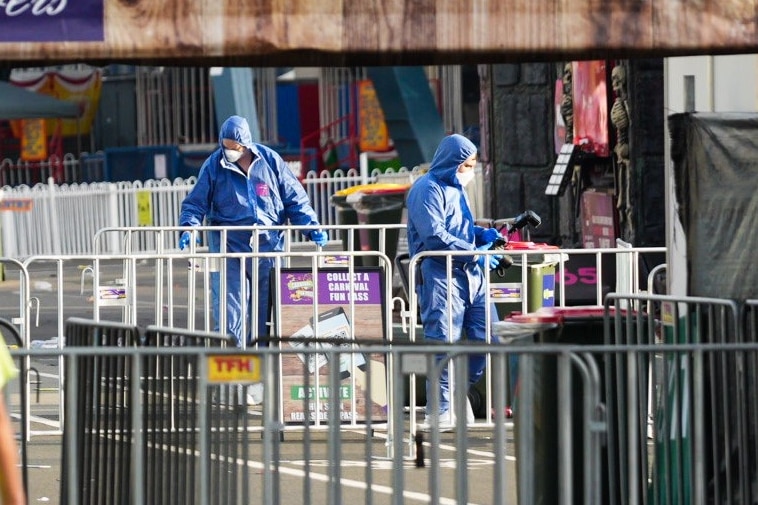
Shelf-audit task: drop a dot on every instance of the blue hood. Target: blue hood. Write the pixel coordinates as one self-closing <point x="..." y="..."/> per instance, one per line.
<point x="439" y="217"/>
<point x="235" y="128"/>
<point x="452" y="151"/>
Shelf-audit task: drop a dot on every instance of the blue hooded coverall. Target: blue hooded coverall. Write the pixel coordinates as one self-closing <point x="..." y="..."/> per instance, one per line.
<point x="269" y="195"/>
<point x="439" y="219"/>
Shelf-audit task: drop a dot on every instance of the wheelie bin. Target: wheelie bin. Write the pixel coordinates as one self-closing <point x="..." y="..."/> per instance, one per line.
<point x="346" y="215"/>
<point x="536" y="401"/>
<point x="379" y="204"/>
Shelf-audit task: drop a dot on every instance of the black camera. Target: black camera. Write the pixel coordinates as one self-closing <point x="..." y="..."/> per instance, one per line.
<point x="528" y="217"/>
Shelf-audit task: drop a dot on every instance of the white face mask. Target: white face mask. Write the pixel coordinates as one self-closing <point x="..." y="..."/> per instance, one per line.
<point x="465" y="177"/>
<point x="233" y="155"/>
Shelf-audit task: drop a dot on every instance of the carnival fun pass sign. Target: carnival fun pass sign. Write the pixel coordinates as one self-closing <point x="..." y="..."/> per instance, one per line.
<point x="338" y="308"/>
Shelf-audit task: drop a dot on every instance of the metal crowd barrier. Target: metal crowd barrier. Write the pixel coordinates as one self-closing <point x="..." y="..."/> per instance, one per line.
<point x="680" y="400"/>
<point x="104" y="435"/>
<point x="142" y="288"/>
<point x="628" y="263"/>
<point x="149" y="422"/>
<point x="99" y="429"/>
<point x="114" y="287"/>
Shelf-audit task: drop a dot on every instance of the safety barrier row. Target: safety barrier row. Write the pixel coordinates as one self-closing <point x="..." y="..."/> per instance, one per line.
<point x="634" y="406"/>
<point x="167" y="290"/>
<point x="170" y="289"/>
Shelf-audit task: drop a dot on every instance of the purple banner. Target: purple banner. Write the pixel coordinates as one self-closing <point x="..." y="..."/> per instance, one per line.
<point x="51" y="21"/>
<point x="334" y="287"/>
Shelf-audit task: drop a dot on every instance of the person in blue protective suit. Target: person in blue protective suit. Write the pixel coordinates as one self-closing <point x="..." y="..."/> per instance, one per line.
<point x="439" y="219"/>
<point x="243" y="183"/>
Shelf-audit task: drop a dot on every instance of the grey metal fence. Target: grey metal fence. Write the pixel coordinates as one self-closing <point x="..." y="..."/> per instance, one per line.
<point x="658" y="412"/>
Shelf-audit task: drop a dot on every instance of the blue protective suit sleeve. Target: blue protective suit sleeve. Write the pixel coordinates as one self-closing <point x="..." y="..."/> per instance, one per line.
<point x="432" y="228"/>
<point x="198" y="202"/>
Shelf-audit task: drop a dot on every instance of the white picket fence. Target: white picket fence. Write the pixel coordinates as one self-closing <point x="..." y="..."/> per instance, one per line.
<point x="47" y="219"/>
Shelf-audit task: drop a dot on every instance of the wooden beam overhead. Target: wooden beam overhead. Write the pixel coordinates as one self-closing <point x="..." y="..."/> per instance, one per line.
<point x="370" y="32"/>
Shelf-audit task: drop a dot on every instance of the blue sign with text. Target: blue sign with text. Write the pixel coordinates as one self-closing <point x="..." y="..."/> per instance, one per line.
<point x="51" y="21"/>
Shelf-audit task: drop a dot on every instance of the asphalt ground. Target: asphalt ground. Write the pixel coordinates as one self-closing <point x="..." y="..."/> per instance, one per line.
<point x="45" y="477"/>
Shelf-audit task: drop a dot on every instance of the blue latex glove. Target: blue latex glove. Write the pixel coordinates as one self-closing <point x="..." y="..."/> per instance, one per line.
<point x="184" y="240"/>
<point x="493" y="259"/>
<point x="490" y="235"/>
<point x="319" y="237"/>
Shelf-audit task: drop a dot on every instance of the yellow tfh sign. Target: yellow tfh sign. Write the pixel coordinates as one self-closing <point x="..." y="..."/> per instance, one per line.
<point x="235" y="368"/>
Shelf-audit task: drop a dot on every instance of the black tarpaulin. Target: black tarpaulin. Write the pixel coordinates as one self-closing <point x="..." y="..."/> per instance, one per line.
<point x="715" y="159"/>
